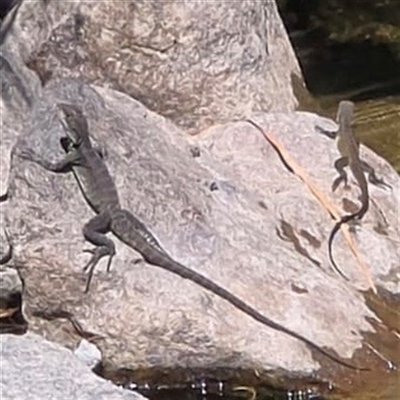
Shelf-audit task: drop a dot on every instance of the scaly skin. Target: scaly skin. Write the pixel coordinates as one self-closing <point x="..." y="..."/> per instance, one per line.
<point x="100" y="192"/>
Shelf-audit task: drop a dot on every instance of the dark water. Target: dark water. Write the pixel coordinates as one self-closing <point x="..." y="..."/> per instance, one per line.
<point x="378" y="126"/>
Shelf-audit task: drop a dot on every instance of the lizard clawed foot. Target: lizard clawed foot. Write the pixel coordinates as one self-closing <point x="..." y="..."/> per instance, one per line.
<point x="378" y="182"/>
<point x="98" y="254"/>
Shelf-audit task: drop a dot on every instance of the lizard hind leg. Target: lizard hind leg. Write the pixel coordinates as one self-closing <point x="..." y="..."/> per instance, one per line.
<point x="94" y="232"/>
<point x="372" y="176"/>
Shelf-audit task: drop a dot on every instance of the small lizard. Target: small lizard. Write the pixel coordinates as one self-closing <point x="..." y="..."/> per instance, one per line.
<point x="350" y="156"/>
<point x="100" y="192"/>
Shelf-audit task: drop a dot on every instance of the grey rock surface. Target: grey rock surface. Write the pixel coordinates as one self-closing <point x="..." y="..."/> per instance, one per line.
<point x="221" y="202"/>
<point x="194" y="62"/>
<point x="33" y="368"/>
<point x="220" y="213"/>
<point x="19" y="88"/>
<point x="300" y="214"/>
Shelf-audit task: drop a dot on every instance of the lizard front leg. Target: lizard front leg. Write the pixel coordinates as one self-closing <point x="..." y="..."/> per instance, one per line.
<point x="69" y="146"/>
<point x="94" y="232"/>
<point x="340" y="164"/>
<point x="65" y="164"/>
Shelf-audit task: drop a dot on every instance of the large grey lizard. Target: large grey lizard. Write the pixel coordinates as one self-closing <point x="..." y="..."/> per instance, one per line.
<point x="350" y="156"/>
<point x="100" y="192"/>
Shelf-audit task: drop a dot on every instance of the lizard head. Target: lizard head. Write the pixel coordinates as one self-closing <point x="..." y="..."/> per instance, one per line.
<point x="345" y="113"/>
<point x="74" y="122"/>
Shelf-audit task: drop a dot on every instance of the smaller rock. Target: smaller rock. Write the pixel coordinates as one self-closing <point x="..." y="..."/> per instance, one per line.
<point x="34" y="368"/>
<point x="88" y="353"/>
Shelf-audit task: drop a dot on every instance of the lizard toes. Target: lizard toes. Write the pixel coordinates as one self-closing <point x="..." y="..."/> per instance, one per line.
<point x="97" y="254"/>
<point x="92" y="251"/>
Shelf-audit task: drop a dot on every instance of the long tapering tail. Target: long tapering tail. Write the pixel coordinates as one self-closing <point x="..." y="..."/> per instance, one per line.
<point x="123" y="226"/>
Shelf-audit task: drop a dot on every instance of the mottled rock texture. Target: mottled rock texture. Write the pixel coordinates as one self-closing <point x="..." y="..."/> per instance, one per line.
<point x="221" y="202"/>
<point x="33" y="368"/>
<point x="194" y="62"/>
